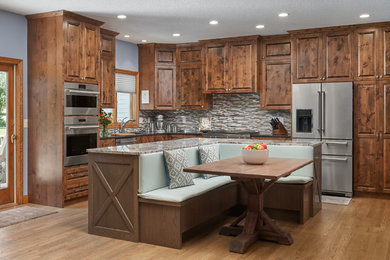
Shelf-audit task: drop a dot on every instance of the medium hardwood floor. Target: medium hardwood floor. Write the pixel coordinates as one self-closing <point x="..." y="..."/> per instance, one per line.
<point x="358" y="231"/>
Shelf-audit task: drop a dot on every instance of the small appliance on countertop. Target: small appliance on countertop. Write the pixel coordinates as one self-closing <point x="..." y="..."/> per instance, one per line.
<point x="160" y="124"/>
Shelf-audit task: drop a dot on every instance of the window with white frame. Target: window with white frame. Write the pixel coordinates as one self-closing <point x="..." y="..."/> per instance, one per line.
<point x="126" y="96"/>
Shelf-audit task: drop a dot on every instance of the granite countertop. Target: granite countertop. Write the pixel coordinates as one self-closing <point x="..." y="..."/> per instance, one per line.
<point x="136" y="149"/>
<point x="146" y="134"/>
<point x="131" y="135"/>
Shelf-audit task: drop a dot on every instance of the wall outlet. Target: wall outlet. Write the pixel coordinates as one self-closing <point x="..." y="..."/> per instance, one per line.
<point x="25" y="123"/>
<point x="183" y="118"/>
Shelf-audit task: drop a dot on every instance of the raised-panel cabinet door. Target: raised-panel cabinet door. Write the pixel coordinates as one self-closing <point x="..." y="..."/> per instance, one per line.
<point x="73" y="50"/>
<point x="367" y="123"/>
<point x="386" y="108"/>
<point x="215" y="68"/>
<point x="386" y="164"/>
<point x="338" y="56"/>
<point x="165" y="56"/>
<point x="90" y="66"/>
<point x="366" y="43"/>
<point x="242" y="66"/>
<point x="366" y="162"/>
<point x="276" y="85"/>
<point x="307" y="58"/>
<point x="165" y="87"/>
<point x="190" y="85"/>
<point x="385" y="67"/>
<point x="107" y="82"/>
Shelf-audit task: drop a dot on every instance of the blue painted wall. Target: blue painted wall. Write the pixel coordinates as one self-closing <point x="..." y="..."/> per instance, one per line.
<point x="13" y="44"/>
<point x="126" y="56"/>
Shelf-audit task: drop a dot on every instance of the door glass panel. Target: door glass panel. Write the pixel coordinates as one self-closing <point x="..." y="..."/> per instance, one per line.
<point x="3" y="130"/>
<point x="79" y="143"/>
<point x="81" y="101"/>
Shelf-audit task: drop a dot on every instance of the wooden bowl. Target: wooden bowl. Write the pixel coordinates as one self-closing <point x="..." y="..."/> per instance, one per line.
<point x="254" y="156"/>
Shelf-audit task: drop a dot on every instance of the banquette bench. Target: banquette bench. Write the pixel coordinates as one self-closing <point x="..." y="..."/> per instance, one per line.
<point x="157" y="215"/>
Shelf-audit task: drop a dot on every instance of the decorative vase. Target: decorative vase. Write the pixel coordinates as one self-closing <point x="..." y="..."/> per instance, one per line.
<point x="105" y="131"/>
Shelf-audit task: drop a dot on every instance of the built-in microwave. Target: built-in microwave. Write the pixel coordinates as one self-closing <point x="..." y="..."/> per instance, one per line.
<point x="81" y="99"/>
<point x="81" y="133"/>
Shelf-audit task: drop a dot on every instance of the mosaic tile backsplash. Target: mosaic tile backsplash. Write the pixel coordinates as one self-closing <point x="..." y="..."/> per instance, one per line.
<point x="230" y="112"/>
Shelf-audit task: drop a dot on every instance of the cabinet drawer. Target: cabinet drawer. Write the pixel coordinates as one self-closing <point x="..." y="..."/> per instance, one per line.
<point x="75" y="182"/>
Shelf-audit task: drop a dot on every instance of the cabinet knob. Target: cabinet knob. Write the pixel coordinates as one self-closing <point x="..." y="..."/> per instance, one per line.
<point x="381" y="76"/>
<point x="377" y="76"/>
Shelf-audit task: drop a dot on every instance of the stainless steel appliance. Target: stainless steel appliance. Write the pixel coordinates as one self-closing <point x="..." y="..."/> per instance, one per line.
<point x="125" y="141"/>
<point x="324" y="111"/>
<point x="81" y="133"/>
<point x="160" y="124"/>
<point x="81" y="99"/>
<point x="226" y="134"/>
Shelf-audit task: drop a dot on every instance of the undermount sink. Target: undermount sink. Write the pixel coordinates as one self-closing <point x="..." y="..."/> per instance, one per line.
<point x="122" y="134"/>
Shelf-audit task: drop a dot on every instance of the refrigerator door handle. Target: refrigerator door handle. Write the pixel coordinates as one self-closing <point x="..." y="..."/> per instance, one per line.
<point x="335" y="158"/>
<point x="323" y="111"/>
<point x="319" y="111"/>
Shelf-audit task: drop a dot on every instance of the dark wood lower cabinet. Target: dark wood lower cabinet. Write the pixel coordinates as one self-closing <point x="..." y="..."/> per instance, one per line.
<point x="75" y="182"/>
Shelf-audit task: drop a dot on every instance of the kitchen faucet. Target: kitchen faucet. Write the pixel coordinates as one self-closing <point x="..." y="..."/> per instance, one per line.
<point x="123" y="124"/>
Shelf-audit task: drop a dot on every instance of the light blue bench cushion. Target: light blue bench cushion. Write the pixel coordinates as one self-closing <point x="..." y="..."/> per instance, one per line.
<point x="282" y="151"/>
<point x="294" y="180"/>
<point x="184" y="193"/>
<point x="152" y="173"/>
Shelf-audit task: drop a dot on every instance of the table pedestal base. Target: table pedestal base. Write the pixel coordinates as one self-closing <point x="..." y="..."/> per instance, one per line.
<point x="258" y="225"/>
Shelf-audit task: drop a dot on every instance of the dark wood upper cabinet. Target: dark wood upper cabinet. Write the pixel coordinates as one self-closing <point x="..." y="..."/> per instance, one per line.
<point x="157" y="75"/>
<point x="307" y="65"/>
<point x="107" y="68"/>
<point x="215" y="67"/>
<point x="189" y="84"/>
<point x="242" y="66"/>
<point x="82" y="55"/>
<point x="73" y="50"/>
<point x="325" y="56"/>
<point x="366" y="43"/>
<point x="231" y="65"/>
<point x="276" y="86"/>
<point x="385" y="51"/>
<point x="338" y="56"/>
<point x="165" y="88"/>
<point x="275" y="90"/>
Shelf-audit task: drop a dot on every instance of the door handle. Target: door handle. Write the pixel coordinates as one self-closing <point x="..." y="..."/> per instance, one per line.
<point x="319" y="111"/>
<point x="335" y="159"/>
<point x="84" y="92"/>
<point x="82" y="127"/>
<point x="323" y="110"/>
<point x="340" y="143"/>
<point x="13" y="138"/>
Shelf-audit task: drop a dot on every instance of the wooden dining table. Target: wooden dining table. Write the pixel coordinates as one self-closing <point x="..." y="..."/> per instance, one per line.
<point x="256" y="179"/>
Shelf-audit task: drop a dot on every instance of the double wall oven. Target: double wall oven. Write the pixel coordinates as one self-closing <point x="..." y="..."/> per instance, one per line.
<point x="81" y="127"/>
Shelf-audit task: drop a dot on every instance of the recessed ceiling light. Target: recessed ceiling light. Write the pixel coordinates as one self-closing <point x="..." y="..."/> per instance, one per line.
<point x="121" y="16"/>
<point x="364" y="15"/>
<point x="213" y="22"/>
<point x="260" y="26"/>
<point x="283" y="14"/>
<point x="144" y="41"/>
<point x="126" y="36"/>
<point x="176" y="35"/>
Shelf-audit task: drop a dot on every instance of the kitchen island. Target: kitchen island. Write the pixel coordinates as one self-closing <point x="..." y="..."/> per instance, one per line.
<point x="122" y="180"/>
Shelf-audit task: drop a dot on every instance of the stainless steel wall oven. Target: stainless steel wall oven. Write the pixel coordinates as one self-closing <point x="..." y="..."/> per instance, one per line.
<point x="81" y="99"/>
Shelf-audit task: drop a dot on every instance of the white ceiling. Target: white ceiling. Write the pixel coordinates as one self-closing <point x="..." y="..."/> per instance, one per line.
<point x="157" y="20"/>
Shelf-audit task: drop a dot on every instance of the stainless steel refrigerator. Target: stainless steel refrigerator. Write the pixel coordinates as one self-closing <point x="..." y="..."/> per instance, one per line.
<point x="324" y="112"/>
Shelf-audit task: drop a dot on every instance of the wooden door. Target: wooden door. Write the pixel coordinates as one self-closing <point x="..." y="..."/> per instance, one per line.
<point x="338" y="56"/>
<point x="215" y="68"/>
<point x="385" y="135"/>
<point x="242" y="66"/>
<point x="72" y="50"/>
<point x="366" y="49"/>
<point x="165" y="87"/>
<point x="7" y="134"/>
<point x="385" y="51"/>
<point x="91" y="53"/>
<point x="307" y="58"/>
<point x="367" y="121"/>
<point x="107" y="82"/>
<point x="276" y="84"/>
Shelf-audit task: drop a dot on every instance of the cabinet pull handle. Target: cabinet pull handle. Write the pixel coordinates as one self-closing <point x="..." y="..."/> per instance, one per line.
<point x="319" y="111"/>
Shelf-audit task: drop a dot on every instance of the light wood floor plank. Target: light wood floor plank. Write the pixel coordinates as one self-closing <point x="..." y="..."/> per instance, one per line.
<point x="358" y="231"/>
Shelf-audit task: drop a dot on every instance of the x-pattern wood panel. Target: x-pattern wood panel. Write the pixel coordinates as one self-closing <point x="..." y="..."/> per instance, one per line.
<point x="112" y="196"/>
